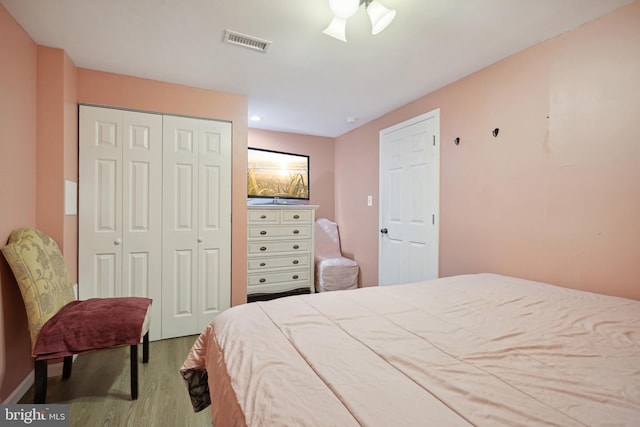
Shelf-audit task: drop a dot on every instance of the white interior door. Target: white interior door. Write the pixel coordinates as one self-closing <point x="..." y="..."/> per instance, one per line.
<point x="214" y="220"/>
<point x="120" y="199"/>
<point x="197" y="223"/>
<point x="142" y="211"/>
<point x="409" y="200"/>
<point x="99" y="202"/>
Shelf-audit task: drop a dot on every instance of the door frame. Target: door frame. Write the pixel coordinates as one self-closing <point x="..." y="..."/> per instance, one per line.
<point x="429" y="115"/>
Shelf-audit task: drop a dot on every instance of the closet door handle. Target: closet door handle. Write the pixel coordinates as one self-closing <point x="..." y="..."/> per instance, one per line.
<point x="117" y="242"/>
<point x="200" y="239"/>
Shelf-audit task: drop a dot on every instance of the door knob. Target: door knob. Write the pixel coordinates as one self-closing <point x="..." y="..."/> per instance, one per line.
<point x="117" y="242"/>
<point x="384" y="230"/>
<point x="199" y="239"/>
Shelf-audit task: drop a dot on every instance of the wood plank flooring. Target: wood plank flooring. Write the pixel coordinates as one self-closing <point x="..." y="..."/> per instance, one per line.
<point x="99" y="392"/>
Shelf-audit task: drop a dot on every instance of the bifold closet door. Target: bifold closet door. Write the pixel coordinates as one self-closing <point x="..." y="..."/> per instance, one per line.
<point x="196" y="263"/>
<point x="120" y="206"/>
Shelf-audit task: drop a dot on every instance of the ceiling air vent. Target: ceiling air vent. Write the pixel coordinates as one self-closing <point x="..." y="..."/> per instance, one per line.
<point x="249" y="42"/>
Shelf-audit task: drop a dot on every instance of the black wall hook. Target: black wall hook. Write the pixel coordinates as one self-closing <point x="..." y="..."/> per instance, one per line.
<point x="457" y="141"/>
<point x="495" y="132"/>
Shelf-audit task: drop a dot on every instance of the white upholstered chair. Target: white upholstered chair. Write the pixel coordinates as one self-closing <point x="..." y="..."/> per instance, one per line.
<point x="332" y="270"/>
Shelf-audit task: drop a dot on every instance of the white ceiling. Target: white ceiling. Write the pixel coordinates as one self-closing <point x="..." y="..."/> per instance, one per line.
<point x="307" y="82"/>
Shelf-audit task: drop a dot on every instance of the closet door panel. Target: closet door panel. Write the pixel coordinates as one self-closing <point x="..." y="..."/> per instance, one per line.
<point x="120" y="205"/>
<point x="142" y="211"/>
<point x="210" y="278"/>
<point x="214" y="283"/>
<point x="100" y="202"/>
<point x="180" y="234"/>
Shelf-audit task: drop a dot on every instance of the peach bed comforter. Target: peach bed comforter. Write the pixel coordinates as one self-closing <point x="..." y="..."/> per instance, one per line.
<point x="467" y="350"/>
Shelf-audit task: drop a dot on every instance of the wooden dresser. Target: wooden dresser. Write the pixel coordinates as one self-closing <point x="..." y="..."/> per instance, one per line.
<point x="280" y="248"/>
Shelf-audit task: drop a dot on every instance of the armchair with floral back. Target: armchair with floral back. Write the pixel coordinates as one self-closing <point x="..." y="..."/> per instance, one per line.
<point x="61" y="326"/>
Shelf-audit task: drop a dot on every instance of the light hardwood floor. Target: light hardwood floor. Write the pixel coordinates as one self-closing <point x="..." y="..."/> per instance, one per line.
<point x="99" y="392"/>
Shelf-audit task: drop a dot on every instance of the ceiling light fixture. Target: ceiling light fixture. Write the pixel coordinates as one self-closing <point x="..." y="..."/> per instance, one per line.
<point x="342" y="10"/>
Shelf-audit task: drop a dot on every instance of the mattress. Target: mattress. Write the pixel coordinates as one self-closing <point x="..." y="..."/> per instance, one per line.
<point x="466" y="350"/>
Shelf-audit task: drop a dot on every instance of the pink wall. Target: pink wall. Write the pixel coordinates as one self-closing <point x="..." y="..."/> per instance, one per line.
<point x="321" y="158"/>
<point x="50" y="152"/>
<point x="70" y="146"/>
<point x="356" y="178"/>
<point x="57" y="152"/>
<point x="95" y="87"/>
<point x="556" y="197"/>
<point x="18" y="192"/>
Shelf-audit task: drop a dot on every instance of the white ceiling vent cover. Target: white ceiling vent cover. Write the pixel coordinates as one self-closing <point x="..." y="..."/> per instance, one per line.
<point x="244" y="40"/>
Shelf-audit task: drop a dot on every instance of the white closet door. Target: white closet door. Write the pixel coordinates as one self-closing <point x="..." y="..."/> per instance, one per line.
<point x="214" y="220"/>
<point x="142" y="212"/>
<point x="180" y="227"/>
<point x="196" y="225"/>
<point x="120" y="189"/>
<point x="100" y="202"/>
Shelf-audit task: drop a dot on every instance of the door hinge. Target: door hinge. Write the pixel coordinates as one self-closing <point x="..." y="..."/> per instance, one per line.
<point x="433" y="219"/>
<point x="434" y="140"/>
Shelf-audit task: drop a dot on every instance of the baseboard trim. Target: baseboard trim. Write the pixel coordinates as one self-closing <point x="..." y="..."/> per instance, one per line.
<point x="21" y="390"/>
<point x="53" y="370"/>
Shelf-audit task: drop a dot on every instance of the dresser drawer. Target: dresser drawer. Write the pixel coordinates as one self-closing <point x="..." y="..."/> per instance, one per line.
<point x="295" y="276"/>
<point x="292" y="231"/>
<point x="265" y="263"/>
<point x="296" y="216"/>
<point x="276" y="247"/>
<point x="264" y="216"/>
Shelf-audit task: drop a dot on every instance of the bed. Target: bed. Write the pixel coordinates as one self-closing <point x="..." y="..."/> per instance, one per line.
<point x="478" y="349"/>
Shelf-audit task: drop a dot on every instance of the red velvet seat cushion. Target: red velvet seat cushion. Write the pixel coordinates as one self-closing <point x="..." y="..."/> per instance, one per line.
<point x="93" y="324"/>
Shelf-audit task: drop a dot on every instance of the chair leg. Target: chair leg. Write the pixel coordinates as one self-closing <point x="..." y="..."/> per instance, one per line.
<point x="40" y="395"/>
<point x="134" y="372"/>
<point x="67" y="363"/>
<point x="145" y="348"/>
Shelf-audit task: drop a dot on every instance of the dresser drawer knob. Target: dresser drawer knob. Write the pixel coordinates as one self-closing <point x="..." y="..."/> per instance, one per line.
<point x="296" y="231"/>
<point x="296" y="247"/>
<point x="296" y="217"/>
<point x="263" y="280"/>
<point x="295" y="261"/>
<point x="295" y="277"/>
<point x="263" y="217"/>
<point x="262" y="264"/>
<point x="263" y="232"/>
<point x="264" y="248"/>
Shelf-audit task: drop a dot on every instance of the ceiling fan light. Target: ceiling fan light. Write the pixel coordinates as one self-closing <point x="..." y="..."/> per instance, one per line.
<point x="337" y="29"/>
<point x="380" y="16"/>
<point x="344" y="8"/>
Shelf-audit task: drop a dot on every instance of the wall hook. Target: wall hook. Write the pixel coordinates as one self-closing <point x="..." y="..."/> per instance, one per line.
<point x="495" y="132"/>
<point x="457" y="141"/>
